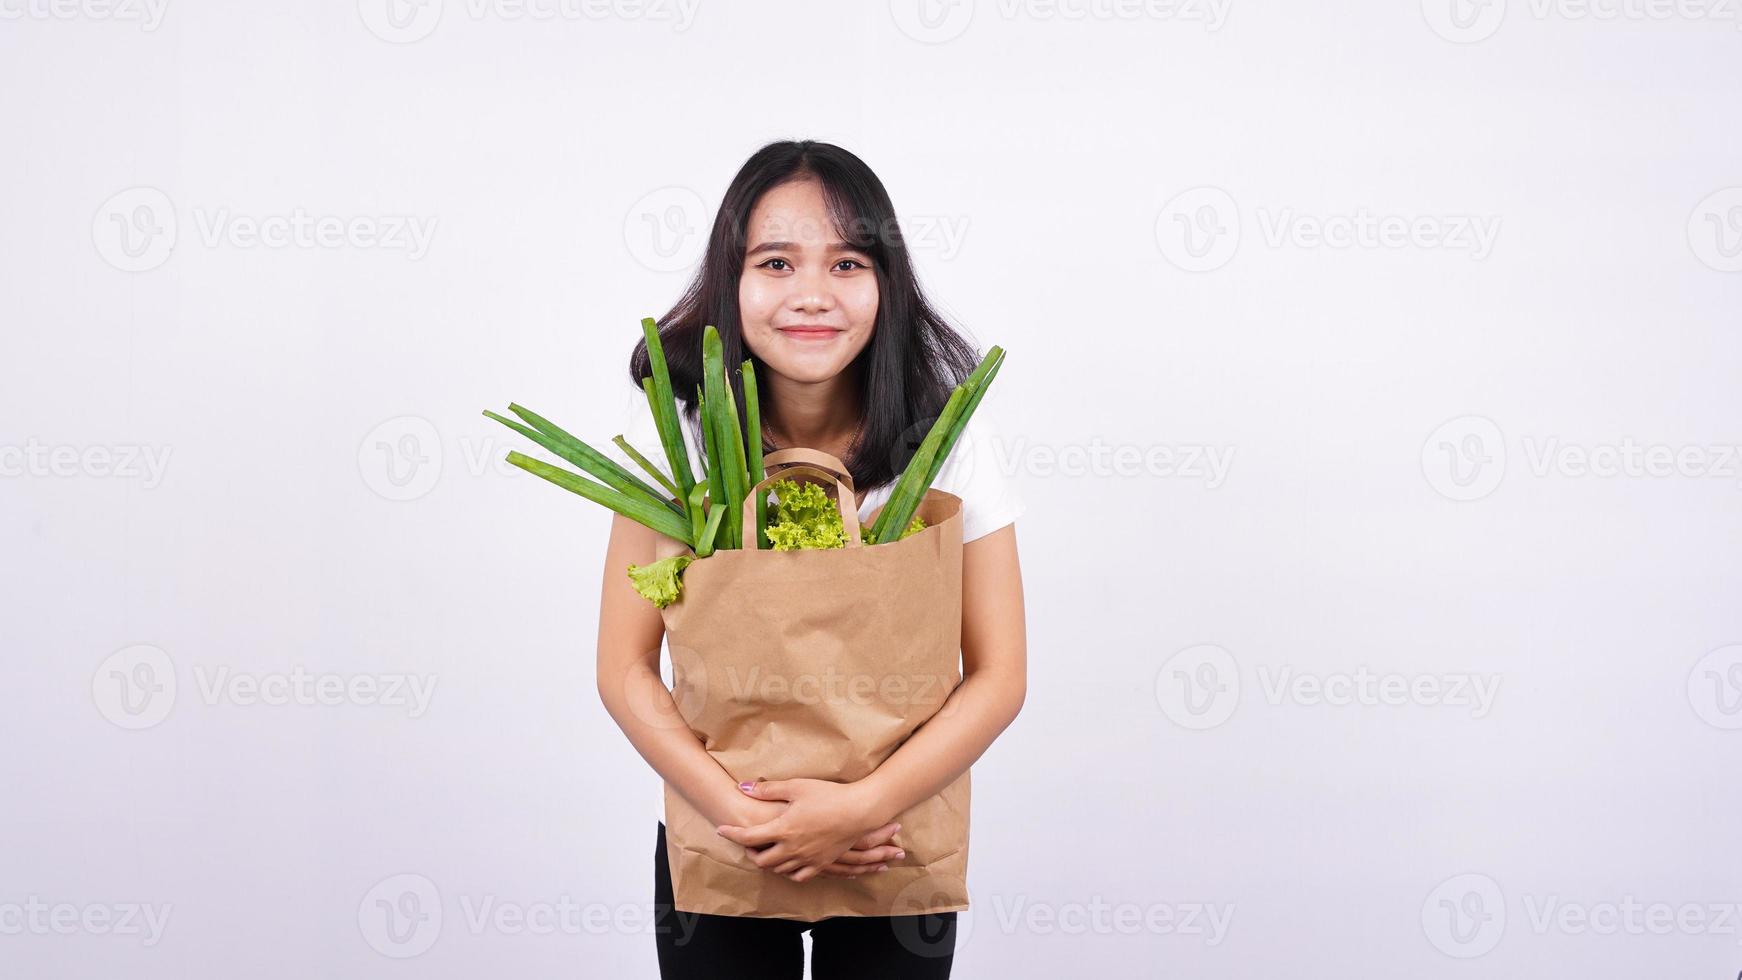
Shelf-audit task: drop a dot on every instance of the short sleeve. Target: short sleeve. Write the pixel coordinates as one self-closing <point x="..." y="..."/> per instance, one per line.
<point x="978" y="471"/>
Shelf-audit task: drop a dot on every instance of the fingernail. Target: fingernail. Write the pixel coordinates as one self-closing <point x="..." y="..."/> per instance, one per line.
<point x="897" y="827"/>
<point x="900" y="854"/>
<point x="749" y="787"/>
<point x="883" y="867"/>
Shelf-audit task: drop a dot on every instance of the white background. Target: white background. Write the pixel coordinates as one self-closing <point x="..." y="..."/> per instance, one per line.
<point x="1405" y="417"/>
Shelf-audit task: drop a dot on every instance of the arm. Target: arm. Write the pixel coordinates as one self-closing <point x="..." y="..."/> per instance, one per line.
<point x="994" y="686"/>
<point x="636" y="697"/>
<point x="630" y="629"/>
<point x="994" y="683"/>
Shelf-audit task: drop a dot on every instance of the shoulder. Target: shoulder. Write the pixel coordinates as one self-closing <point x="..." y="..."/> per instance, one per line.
<point x="980" y="471"/>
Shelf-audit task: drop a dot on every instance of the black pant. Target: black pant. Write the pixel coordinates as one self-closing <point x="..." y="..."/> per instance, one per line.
<point x="726" y="947"/>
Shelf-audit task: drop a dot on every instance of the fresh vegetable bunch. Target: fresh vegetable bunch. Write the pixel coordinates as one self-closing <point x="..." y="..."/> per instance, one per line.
<point x="707" y="513"/>
<point x="806" y="518"/>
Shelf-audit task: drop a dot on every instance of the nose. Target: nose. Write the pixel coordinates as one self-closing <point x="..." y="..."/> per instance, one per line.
<point x="812" y="292"/>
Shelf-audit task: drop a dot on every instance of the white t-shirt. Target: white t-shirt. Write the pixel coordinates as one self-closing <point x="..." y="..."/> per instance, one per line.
<point x="975" y="471"/>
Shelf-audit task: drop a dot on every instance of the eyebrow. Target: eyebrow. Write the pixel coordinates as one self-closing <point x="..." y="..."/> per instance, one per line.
<point x="791" y="247"/>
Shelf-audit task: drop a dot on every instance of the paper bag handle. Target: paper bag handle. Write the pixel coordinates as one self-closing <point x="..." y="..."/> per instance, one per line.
<point x="843" y="495"/>
<point x="814" y="457"/>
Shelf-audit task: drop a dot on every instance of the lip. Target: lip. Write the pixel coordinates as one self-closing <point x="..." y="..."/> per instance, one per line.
<point x="810" y="332"/>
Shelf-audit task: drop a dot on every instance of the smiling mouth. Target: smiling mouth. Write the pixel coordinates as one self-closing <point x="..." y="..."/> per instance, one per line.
<point x="809" y="333"/>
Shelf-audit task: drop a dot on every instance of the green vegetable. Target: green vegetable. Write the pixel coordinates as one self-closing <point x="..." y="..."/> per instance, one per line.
<point x="805" y="518"/>
<point x="716" y="474"/>
<point x="753" y="449"/>
<point x="595" y="463"/>
<point x="913" y="527"/>
<point x="721" y="415"/>
<point x="663" y="402"/>
<point x="645" y="464"/>
<point x="659" y="582"/>
<point x="654" y="516"/>
<point x="923" y="468"/>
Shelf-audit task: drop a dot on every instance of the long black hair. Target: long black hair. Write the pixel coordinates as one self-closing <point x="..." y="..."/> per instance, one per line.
<point x="914" y="357"/>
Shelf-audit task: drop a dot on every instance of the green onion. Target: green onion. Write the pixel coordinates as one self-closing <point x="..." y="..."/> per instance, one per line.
<point x="909" y="489"/>
<point x="923" y="468"/>
<point x="645" y="464"/>
<point x="712" y="529"/>
<point x="753" y="457"/>
<point x="658" y="518"/>
<point x="722" y="417"/>
<point x="716" y="472"/>
<point x="664" y="404"/>
<point x="980" y="380"/>
<point x="593" y="462"/>
<point x="697" y="519"/>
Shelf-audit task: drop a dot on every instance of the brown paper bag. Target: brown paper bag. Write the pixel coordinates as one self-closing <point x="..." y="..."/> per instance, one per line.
<point x="820" y="664"/>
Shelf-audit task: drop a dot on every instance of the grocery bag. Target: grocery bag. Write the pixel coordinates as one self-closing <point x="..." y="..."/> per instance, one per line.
<point x="819" y="664"/>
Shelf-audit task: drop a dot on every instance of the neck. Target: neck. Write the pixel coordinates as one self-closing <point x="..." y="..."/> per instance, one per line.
<point x="819" y="415"/>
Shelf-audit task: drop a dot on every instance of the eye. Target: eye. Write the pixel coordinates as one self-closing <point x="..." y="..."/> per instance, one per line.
<point x="770" y="265"/>
<point x="853" y="263"/>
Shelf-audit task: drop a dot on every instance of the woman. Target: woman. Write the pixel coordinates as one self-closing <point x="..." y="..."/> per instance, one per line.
<point x="806" y="275"/>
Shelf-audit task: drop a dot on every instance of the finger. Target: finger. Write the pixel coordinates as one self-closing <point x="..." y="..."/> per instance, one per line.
<point x="762" y="833"/>
<point x="768" y="789"/>
<point x="882" y="835"/>
<point x="771" y="858"/>
<point x="875" y="855"/>
<point x="789" y="866"/>
<point x="806" y="874"/>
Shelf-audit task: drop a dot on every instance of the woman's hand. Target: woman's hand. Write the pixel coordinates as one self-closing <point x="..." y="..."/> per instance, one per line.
<point x="827" y="828"/>
<point x="868" y="854"/>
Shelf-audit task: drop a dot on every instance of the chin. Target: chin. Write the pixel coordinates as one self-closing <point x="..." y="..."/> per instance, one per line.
<point x="806" y="372"/>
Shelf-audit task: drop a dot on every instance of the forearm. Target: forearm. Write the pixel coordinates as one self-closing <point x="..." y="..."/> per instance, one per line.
<point x="642" y="706"/>
<point x="976" y="712"/>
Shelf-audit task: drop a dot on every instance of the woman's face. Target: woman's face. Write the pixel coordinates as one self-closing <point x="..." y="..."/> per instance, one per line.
<point x="808" y="301"/>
